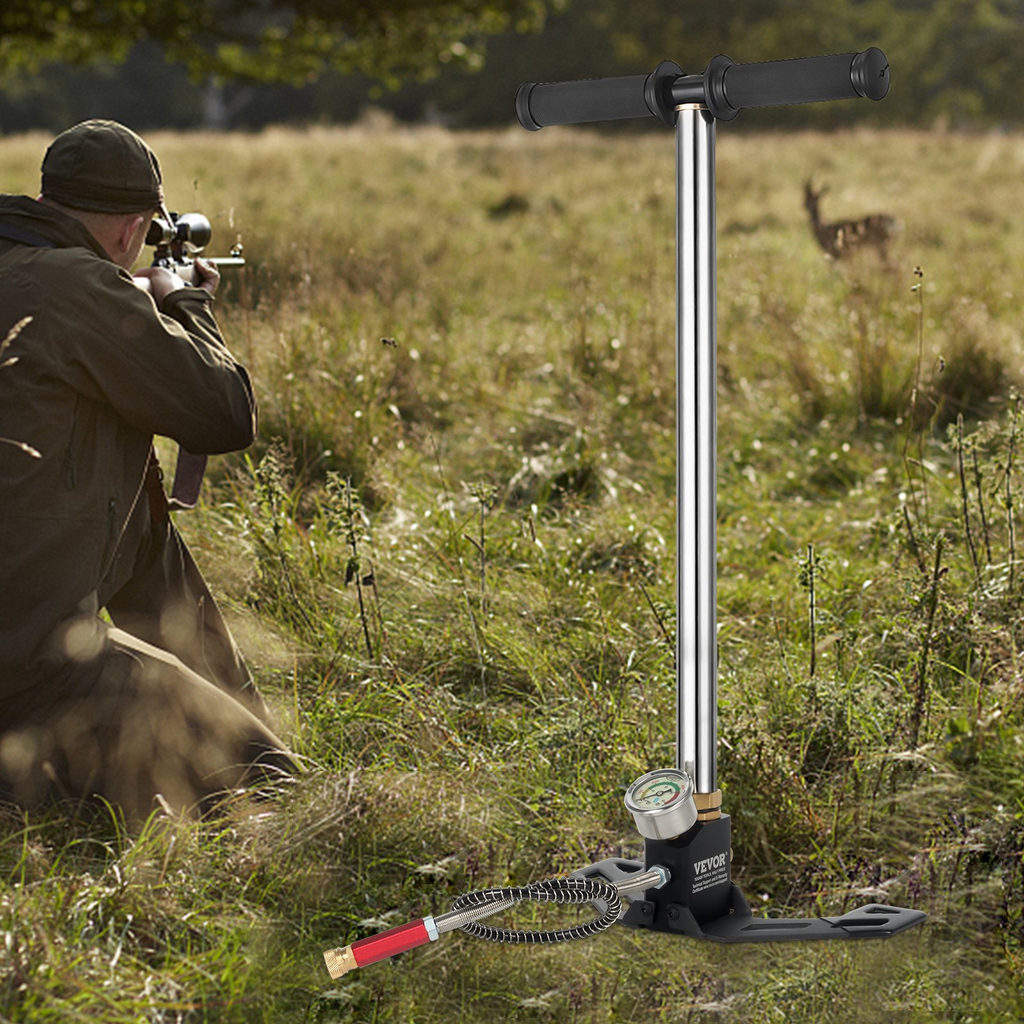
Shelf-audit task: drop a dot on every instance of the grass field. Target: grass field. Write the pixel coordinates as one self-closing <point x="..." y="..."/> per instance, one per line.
<point x="463" y="348"/>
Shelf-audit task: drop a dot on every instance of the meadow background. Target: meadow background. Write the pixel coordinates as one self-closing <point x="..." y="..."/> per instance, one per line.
<point x="450" y="560"/>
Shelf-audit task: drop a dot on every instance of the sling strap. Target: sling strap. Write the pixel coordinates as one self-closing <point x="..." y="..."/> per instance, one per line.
<point x="25" y="236"/>
<point x="188" y="479"/>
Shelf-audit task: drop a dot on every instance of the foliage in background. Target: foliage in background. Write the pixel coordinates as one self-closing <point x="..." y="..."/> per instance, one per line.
<point x="955" y="61"/>
<point x="279" y="40"/>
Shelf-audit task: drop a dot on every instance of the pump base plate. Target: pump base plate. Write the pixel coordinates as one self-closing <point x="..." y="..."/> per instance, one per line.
<point x="873" y="921"/>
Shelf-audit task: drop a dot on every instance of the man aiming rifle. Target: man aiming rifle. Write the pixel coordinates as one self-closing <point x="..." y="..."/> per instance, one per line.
<point x="158" y="707"/>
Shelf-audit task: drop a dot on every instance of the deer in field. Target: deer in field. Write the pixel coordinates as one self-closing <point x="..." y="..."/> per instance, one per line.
<point x="842" y="237"/>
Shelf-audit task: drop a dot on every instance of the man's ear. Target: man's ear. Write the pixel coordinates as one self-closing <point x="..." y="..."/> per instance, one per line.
<point x="129" y="227"/>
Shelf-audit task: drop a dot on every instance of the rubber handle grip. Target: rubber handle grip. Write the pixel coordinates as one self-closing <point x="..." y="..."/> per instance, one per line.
<point x="590" y="99"/>
<point x="732" y="87"/>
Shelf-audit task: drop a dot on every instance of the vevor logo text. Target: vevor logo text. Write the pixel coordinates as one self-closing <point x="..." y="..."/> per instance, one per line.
<point x="708" y="864"/>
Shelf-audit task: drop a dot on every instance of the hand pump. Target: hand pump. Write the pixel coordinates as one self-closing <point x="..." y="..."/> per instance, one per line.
<point x="684" y="883"/>
<point x="701" y="900"/>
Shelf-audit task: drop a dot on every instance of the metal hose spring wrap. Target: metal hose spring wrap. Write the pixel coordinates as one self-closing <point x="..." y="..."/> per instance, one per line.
<point x="552" y="890"/>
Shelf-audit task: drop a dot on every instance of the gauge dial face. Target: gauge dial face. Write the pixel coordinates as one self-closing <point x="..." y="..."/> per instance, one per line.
<point x="659" y="790"/>
<point x="657" y="793"/>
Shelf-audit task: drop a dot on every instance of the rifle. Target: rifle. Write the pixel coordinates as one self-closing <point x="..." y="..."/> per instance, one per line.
<point x="179" y="242"/>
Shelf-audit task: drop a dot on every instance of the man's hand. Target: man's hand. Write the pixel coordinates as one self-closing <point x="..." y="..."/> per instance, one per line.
<point x="159" y="282"/>
<point x="206" y="275"/>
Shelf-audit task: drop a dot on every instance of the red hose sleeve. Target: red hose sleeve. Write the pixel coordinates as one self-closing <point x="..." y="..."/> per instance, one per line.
<point x="389" y="943"/>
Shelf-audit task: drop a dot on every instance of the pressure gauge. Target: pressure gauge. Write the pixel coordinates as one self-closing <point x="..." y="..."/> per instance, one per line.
<point x="661" y="803"/>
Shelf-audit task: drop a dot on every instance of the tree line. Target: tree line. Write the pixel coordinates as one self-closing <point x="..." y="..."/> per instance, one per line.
<point x="232" y="64"/>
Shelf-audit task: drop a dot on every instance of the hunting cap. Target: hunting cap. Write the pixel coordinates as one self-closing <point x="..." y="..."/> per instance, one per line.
<point x="105" y="167"/>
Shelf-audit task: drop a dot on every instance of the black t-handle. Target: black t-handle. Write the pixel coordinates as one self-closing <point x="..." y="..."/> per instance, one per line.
<point x="725" y="89"/>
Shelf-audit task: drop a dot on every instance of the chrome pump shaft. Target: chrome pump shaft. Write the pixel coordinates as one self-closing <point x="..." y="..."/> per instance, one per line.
<point x="696" y="561"/>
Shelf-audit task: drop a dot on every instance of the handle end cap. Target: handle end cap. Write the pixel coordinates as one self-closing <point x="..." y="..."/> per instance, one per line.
<point x="526" y="119"/>
<point x="869" y="73"/>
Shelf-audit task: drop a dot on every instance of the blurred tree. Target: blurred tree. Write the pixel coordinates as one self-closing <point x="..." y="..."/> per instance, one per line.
<point x="268" y="40"/>
<point x="965" y="57"/>
<point x="960" y="62"/>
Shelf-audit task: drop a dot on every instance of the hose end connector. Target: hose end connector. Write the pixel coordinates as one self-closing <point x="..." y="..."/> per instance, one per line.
<point x="340" y="961"/>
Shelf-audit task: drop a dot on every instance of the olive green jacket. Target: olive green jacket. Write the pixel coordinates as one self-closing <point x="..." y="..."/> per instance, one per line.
<point x="87" y="382"/>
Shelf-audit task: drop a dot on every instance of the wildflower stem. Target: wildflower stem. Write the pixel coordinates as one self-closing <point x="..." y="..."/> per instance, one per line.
<point x="963" y="492"/>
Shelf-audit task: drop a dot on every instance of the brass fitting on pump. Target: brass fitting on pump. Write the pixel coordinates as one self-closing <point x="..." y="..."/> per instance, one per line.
<point x="709" y="805"/>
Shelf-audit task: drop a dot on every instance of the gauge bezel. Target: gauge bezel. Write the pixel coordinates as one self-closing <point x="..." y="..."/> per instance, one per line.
<point x="671" y="820"/>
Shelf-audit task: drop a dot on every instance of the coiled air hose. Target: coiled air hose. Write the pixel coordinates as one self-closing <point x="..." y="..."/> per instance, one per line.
<point x="469" y="908"/>
<point x="553" y="890"/>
